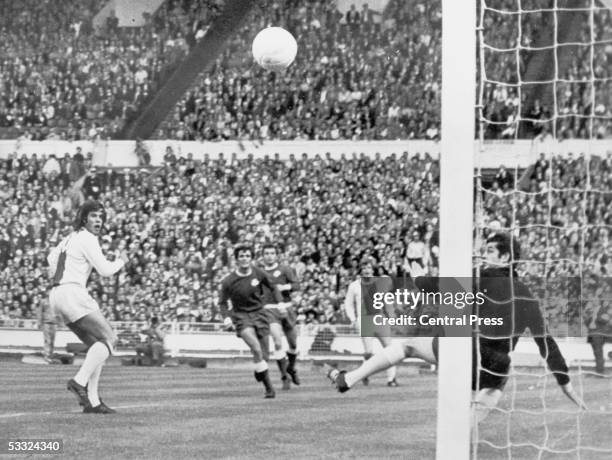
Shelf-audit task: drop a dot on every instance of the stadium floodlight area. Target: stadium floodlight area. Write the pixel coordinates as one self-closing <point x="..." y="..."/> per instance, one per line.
<point x="535" y="52"/>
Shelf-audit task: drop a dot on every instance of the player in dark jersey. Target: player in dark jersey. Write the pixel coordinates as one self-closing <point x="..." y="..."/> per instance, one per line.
<point x="244" y="289"/>
<point x="282" y="315"/>
<point x="507" y="297"/>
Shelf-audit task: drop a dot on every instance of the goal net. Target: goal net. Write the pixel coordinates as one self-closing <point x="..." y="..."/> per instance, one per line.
<point x="543" y="173"/>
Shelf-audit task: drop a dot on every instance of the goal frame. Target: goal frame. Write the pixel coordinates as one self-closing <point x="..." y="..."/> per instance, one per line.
<point x="456" y="217"/>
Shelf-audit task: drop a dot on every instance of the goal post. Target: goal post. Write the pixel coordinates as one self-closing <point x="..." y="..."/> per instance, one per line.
<point x="456" y="217"/>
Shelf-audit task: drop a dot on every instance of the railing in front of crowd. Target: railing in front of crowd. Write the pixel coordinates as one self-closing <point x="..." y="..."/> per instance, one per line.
<point x="175" y="327"/>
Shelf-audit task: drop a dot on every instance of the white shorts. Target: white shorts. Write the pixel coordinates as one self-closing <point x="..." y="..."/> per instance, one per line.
<point x="72" y="302"/>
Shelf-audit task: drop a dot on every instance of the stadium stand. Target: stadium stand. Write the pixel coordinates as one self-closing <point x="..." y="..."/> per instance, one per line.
<point x="325" y="214"/>
<point x="371" y="79"/>
<point x="63" y="79"/>
<point x="375" y="80"/>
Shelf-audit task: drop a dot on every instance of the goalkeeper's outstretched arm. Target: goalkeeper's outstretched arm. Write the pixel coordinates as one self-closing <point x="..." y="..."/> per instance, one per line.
<point x="549" y="350"/>
<point x="530" y="316"/>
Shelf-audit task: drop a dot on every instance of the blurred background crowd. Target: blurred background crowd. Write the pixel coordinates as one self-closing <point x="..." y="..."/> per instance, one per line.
<point x="358" y="75"/>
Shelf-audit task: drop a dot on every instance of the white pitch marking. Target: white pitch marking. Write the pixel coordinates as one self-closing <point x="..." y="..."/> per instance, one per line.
<point x="130" y="406"/>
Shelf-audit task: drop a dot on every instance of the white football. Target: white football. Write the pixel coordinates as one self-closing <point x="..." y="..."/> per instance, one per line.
<point x="274" y="48"/>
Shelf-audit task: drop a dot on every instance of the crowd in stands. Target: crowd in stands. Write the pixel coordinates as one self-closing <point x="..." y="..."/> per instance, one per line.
<point x="63" y="78"/>
<point x="572" y="99"/>
<point x="559" y="224"/>
<point x="180" y="222"/>
<point x="362" y="74"/>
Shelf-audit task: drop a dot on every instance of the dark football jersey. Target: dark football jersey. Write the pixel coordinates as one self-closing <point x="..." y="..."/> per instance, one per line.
<point x="280" y="274"/>
<point x="244" y="291"/>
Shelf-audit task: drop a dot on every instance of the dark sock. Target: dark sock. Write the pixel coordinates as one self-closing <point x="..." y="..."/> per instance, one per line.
<point x="264" y="377"/>
<point x="282" y="367"/>
<point x="291" y="357"/>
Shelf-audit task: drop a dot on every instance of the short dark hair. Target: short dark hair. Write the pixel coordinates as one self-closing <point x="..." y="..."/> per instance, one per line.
<point x="243" y="247"/>
<point x="364" y="263"/>
<point x="506" y="244"/>
<point x="86" y="208"/>
<point x="269" y="246"/>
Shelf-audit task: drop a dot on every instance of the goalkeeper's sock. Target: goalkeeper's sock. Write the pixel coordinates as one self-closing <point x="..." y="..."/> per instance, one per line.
<point x="389" y="356"/>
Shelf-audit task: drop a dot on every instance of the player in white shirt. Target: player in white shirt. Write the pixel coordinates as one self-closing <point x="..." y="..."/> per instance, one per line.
<point x="353" y="308"/>
<point x="71" y="263"/>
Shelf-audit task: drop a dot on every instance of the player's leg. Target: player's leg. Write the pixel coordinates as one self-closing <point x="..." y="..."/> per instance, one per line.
<point x="276" y="332"/>
<point x="391" y="371"/>
<point x="415" y="347"/>
<point x="368" y="352"/>
<point x="49" y="340"/>
<point x="157" y="352"/>
<point x="249" y="335"/>
<point x="94" y="330"/>
<point x="597" y="344"/>
<point x="288" y="324"/>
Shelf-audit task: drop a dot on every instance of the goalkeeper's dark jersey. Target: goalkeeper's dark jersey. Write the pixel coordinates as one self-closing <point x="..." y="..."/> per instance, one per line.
<point x="509" y="299"/>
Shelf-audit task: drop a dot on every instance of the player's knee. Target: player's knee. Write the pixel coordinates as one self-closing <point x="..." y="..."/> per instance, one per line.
<point x="279" y="354"/>
<point x="258" y="355"/>
<point x="111" y="342"/>
<point x="394" y="353"/>
<point x="278" y="343"/>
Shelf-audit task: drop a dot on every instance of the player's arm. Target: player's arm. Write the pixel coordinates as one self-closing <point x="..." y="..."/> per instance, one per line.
<point x="387" y="286"/>
<point x="350" y="303"/>
<point x="224" y="306"/>
<point x="52" y="260"/>
<point x="292" y="283"/>
<point x="160" y="334"/>
<point x="549" y="350"/>
<point x="93" y="253"/>
<point x="41" y="314"/>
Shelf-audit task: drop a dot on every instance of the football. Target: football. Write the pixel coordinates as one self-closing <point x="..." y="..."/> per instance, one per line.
<point x="274" y="49"/>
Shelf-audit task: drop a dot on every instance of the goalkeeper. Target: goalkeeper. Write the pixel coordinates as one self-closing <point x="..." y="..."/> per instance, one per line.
<point x="494" y="346"/>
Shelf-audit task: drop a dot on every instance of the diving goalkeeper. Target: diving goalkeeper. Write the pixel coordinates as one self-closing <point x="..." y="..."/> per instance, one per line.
<point x="506" y="297"/>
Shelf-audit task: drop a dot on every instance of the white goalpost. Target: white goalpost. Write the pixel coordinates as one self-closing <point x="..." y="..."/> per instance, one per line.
<point x="456" y="198"/>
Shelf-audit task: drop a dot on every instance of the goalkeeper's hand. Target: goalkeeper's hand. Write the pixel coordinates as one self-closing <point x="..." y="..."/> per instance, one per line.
<point x="569" y="391"/>
<point x="228" y="324"/>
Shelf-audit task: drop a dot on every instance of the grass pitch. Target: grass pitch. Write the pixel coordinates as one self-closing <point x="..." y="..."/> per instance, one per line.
<point x="220" y="413"/>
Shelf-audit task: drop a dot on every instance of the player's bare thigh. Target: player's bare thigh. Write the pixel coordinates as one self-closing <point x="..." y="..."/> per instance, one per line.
<point x="383" y="334"/>
<point x="419" y="347"/>
<point x="276" y="331"/>
<point x="249" y="336"/>
<point x="94" y="327"/>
